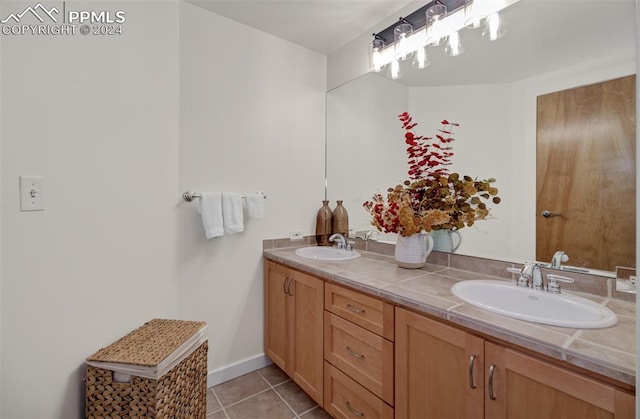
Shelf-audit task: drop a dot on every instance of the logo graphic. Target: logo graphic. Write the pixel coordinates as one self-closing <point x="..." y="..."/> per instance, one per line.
<point x="33" y="11"/>
<point x="48" y="20"/>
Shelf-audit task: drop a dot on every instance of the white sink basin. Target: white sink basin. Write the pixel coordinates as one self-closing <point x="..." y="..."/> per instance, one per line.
<point x="327" y="253"/>
<point x="535" y="306"/>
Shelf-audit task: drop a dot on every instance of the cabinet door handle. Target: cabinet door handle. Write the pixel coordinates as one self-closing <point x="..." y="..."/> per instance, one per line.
<point x="292" y="285"/>
<point x="355" y="309"/>
<point x="355" y="354"/>
<point x="354" y="411"/>
<point x="472" y="381"/>
<point x="284" y="285"/>
<point x="492" y="370"/>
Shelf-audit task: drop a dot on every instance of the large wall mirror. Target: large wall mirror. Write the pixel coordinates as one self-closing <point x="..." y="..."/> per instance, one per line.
<point x="491" y="91"/>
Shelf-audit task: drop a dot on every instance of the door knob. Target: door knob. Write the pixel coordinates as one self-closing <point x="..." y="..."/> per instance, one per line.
<point x="549" y="214"/>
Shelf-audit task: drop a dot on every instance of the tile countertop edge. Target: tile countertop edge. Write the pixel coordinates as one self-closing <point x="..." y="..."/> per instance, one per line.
<point x="332" y="272"/>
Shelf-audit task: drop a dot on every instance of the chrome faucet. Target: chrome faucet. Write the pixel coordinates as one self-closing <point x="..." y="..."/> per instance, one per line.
<point x="366" y="234"/>
<point x="558" y="258"/>
<point x="530" y="276"/>
<point x="533" y="274"/>
<point x="342" y="242"/>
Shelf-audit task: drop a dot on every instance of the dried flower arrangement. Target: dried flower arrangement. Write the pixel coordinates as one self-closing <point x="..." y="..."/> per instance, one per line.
<point x="432" y="198"/>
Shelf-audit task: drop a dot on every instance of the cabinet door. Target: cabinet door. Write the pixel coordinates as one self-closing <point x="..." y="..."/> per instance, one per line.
<point x="519" y="386"/>
<point x="307" y="308"/>
<point x="438" y="370"/>
<point x="275" y="313"/>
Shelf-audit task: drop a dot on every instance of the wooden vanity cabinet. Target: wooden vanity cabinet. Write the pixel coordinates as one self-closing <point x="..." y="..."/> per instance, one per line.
<point x="359" y="354"/>
<point x="442" y="371"/>
<point x="526" y="387"/>
<point x="293" y="304"/>
<point x="439" y="369"/>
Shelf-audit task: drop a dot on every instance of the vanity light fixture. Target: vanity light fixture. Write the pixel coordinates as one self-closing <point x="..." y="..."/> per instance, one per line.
<point x="437" y="21"/>
<point x="376" y="53"/>
<point x="433" y="24"/>
<point x="401" y="34"/>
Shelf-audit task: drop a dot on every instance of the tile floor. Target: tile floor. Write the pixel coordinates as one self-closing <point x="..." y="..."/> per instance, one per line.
<point x="264" y="394"/>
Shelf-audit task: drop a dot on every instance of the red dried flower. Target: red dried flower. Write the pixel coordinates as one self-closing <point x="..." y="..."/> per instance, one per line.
<point x="432" y="198"/>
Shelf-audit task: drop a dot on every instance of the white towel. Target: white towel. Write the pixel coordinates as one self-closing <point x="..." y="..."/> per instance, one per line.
<point x="232" y="213"/>
<point x="211" y="209"/>
<point x="255" y="205"/>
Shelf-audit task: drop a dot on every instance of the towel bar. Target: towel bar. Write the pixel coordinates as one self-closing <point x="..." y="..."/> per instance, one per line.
<point x="190" y="195"/>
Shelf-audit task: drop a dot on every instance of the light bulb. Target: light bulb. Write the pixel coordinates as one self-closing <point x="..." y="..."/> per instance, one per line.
<point x="434" y="16"/>
<point x="493" y="28"/>
<point x="376" y="55"/>
<point x="394" y="70"/>
<point x="402" y="46"/>
<point x="420" y="61"/>
<point x="475" y="13"/>
<point x="454" y="45"/>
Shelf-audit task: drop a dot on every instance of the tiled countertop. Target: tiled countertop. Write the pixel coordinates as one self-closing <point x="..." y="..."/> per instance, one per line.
<point x="609" y="352"/>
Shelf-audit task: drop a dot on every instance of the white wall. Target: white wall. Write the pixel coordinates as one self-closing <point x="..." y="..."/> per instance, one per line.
<point x="252" y="118"/>
<point x="482" y="149"/>
<point x="97" y="117"/>
<point x="362" y="120"/>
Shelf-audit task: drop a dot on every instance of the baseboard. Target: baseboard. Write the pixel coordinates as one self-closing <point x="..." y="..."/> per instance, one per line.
<point x="237" y="369"/>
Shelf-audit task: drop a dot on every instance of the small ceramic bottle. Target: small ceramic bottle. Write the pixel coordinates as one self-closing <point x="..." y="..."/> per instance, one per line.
<point x="340" y="223"/>
<point x="323" y="224"/>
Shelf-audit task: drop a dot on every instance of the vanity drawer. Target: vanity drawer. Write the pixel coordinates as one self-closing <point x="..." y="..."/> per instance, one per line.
<point x="364" y="356"/>
<point x="368" y="312"/>
<point x="344" y="398"/>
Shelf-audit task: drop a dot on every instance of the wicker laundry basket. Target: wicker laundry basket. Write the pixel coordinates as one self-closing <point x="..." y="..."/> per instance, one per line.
<point x="157" y="371"/>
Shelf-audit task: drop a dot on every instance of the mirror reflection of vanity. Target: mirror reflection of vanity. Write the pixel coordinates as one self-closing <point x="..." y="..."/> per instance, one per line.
<point x="491" y="91"/>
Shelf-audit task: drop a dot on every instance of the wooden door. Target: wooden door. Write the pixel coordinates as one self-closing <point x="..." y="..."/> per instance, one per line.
<point x="275" y="314"/>
<point x="306" y="318"/>
<point x="586" y="172"/>
<point x="524" y="387"/>
<point x="436" y="376"/>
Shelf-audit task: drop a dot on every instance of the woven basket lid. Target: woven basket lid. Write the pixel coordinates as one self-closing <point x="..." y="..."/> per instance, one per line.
<point x="150" y="344"/>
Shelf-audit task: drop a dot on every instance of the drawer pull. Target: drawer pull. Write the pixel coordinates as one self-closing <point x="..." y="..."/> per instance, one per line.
<point x="354" y="411"/>
<point x="355" y="309"/>
<point x="472" y="381"/>
<point x="492" y="370"/>
<point x="355" y="354"/>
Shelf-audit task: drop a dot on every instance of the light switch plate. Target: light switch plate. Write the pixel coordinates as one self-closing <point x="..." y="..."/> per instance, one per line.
<point x="31" y="193"/>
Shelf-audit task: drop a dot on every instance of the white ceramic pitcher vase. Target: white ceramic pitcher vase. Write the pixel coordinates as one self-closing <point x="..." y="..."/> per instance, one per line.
<point x="446" y="240"/>
<point x="412" y="251"/>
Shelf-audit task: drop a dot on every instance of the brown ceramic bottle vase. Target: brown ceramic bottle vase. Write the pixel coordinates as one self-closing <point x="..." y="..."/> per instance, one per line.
<point x="340" y="222"/>
<point x="323" y="224"/>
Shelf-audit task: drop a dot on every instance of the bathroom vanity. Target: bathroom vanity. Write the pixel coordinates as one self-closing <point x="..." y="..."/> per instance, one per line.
<point x="365" y="338"/>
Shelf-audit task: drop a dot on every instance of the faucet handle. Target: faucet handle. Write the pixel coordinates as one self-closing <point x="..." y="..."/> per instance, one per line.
<point x="523" y="278"/>
<point x="553" y="286"/>
<point x="350" y="244"/>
